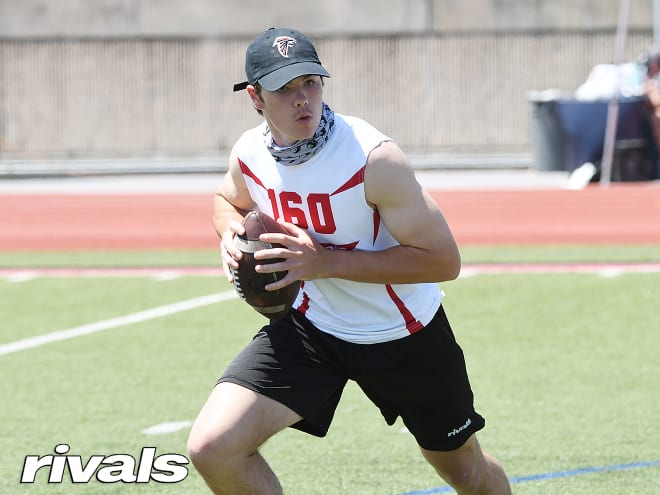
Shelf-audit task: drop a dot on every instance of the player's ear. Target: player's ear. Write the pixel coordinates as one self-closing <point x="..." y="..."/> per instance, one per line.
<point x="257" y="101"/>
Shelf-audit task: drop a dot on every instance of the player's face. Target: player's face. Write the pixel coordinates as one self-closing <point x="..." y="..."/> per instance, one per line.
<point x="293" y="112"/>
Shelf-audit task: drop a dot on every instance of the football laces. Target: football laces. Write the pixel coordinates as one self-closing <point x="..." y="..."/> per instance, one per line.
<point x="237" y="284"/>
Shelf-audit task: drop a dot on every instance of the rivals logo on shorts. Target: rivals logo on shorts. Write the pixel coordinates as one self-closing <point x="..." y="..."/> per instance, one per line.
<point x="165" y="468"/>
<point x="456" y="431"/>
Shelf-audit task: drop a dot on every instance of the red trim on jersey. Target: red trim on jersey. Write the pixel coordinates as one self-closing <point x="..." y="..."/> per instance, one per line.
<point x="412" y="324"/>
<point x="246" y="171"/>
<point x="358" y="178"/>
<point x="344" y="247"/>
<point x="304" y="305"/>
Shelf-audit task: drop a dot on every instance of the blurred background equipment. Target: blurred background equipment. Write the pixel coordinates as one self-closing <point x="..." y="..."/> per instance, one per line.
<point x="126" y="85"/>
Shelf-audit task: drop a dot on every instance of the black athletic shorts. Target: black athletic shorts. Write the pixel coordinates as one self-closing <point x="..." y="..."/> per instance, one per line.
<point x="421" y="378"/>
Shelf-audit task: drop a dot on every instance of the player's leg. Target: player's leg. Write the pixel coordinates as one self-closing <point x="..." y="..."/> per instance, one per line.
<point x="283" y="369"/>
<point x="470" y="470"/>
<point x="224" y="440"/>
<point x="423" y="379"/>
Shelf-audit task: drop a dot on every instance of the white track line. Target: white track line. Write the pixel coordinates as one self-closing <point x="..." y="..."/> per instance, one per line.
<point x="26" y="274"/>
<point x="99" y="326"/>
<point x="469" y="269"/>
<point x="603" y="269"/>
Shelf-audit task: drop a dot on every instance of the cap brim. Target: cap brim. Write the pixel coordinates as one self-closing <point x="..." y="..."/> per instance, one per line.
<point x="278" y="78"/>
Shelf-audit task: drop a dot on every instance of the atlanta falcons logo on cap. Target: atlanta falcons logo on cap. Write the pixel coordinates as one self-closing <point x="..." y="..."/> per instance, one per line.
<point x="283" y="43"/>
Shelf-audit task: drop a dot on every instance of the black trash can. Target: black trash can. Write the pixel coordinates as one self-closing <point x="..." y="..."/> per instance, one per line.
<point x="584" y="124"/>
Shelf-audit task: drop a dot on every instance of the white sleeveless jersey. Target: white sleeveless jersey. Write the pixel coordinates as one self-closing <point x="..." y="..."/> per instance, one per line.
<point x="325" y="195"/>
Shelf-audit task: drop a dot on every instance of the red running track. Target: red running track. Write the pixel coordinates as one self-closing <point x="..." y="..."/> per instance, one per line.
<point x="621" y="214"/>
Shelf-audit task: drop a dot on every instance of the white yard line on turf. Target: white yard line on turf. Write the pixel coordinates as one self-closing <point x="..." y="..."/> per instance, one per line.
<point x="22" y="275"/>
<point x="99" y="326"/>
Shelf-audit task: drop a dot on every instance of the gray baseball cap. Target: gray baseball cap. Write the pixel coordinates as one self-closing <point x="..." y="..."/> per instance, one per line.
<point x="277" y="56"/>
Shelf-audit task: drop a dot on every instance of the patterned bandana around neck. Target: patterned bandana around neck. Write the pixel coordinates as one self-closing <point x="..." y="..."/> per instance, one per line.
<point x="303" y="150"/>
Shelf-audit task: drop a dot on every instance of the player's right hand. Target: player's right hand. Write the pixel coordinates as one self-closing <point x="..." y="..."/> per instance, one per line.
<point x="230" y="255"/>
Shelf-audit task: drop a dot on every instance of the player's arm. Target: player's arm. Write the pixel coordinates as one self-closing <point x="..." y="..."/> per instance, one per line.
<point x="230" y="204"/>
<point x="427" y="251"/>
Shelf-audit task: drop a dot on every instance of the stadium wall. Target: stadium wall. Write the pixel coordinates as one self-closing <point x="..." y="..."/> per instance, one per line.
<point x="152" y="78"/>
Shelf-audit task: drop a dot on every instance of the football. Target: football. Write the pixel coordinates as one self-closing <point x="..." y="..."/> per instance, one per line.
<point x="249" y="284"/>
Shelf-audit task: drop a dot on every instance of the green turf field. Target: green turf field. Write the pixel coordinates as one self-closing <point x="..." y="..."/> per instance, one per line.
<point x="564" y="366"/>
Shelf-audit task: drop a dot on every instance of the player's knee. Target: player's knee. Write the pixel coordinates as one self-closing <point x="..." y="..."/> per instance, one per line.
<point x="464" y="479"/>
<point x="210" y="452"/>
<point x="463" y="468"/>
<point x="200" y="450"/>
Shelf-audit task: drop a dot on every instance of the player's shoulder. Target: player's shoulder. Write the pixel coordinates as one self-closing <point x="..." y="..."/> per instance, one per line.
<point x="387" y="167"/>
<point x="387" y="155"/>
<point x="356" y="124"/>
<point x="247" y="145"/>
<point x="251" y="136"/>
<point x="360" y="131"/>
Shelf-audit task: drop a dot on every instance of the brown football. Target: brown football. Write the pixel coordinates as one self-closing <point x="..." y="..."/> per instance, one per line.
<point x="249" y="284"/>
